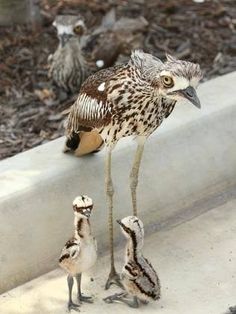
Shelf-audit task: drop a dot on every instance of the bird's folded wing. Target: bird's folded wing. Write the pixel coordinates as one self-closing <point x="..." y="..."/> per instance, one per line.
<point x="91" y="109"/>
<point x="74" y="251"/>
<point x="131" y="270"/>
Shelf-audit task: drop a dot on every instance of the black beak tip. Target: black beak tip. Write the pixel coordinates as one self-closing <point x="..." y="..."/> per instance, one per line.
<point x="190" y="94"/>
<point x="198" y="105"/>
<point x="118" y="221"/>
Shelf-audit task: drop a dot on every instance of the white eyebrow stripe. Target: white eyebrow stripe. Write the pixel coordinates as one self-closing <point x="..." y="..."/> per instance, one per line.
<point x="64" y="29"/>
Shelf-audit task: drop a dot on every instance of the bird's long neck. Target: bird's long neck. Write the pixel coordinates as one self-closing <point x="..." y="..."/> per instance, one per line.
<point x="82" y="58"/>
<point x="133" y="248"/>
<point x="82" y="228"/>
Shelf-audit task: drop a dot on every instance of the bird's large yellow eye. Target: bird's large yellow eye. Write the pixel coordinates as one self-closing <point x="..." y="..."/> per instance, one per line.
<point x="167" y="81"/>
<point x="78" y="30"/>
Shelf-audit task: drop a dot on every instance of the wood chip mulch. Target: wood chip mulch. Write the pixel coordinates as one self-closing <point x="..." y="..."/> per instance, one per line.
<point x="31" y="105"/>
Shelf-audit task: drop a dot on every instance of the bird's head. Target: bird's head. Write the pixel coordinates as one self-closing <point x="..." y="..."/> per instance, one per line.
<point x="82" y="206"/>
<point x="69" y="26"/>
<point x="132" y="227"/>
<point x="178" y="80"/>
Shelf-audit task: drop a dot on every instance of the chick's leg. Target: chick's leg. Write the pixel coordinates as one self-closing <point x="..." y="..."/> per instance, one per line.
<point x="81" y="297"/>
<point x="71" y="305"/>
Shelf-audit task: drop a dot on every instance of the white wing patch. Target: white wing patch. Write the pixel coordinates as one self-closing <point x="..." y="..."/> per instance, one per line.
<point x="101" y="87"/>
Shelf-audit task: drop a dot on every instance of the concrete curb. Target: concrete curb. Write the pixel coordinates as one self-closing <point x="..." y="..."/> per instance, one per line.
<point x="190" y="159"/>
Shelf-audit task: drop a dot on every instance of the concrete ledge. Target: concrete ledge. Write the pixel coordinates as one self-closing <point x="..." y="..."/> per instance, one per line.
<point x="188" y="161"/>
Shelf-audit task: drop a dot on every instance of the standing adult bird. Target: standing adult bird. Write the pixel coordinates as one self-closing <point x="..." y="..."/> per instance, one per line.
<point x="130" y="99"/>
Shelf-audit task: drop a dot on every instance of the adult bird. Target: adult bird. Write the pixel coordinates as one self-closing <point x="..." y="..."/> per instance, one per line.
<point x="130" y="99"/>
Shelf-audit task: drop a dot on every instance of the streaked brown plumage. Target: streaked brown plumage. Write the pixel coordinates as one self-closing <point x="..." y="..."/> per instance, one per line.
<point x="130" y="99"/>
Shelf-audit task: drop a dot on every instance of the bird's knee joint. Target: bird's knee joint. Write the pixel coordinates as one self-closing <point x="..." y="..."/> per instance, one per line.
<point x="133" y="183"/>
<point x="109" y="188"/>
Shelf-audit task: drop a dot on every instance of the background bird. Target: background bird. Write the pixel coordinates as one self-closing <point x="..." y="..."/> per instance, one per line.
<point x="69" y="67"/>
<point x="131" y="99"/>
<point x="80" y="252"/>
<point x="138" y="277"/>
<point x="82" y="52"/>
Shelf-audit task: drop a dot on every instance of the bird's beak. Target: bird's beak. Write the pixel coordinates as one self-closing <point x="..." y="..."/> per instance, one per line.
<point x="118" y="221"/>
<point x="190" y="94"/>
<point x="64" y="39"/>
<point x="87" y="212"/>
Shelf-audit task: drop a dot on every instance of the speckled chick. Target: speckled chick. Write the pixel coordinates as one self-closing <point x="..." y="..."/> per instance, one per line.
<point x="80" y="252"/>
<point x="138" y="276"/>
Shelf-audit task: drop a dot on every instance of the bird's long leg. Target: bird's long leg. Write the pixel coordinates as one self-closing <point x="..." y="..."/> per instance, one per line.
<point x="122" y="298"/>
<point x="113" y="277"/>
<point x="81" y="297"/>
<point x="135" y="172"/>
<point x="71" y="304"/>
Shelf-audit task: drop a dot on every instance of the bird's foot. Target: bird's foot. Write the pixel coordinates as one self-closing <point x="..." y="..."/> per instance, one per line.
<point x="115" y="297"/>
<point x="122" y="298"/>
<point x="85" y="298"/>
<point x="144" y="302"/>
<point x="113" y="279"/>
<point x="72" y="306"/>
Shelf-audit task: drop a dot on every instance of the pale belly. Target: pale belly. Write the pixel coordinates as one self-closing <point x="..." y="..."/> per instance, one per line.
<point x="83" y="262"/>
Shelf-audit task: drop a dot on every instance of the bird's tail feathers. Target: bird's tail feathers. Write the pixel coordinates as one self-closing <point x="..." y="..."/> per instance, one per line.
<point x="83" y="143"/>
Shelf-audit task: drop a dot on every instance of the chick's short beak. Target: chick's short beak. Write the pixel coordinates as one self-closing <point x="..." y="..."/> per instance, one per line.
<point x="87" y="213"/>
<point x="118" y="221"/>
<point x="190" y="94"/>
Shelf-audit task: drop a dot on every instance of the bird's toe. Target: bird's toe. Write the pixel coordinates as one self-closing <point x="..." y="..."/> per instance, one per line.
<point x="85" y="298"/>
<point x="73" y="306"/>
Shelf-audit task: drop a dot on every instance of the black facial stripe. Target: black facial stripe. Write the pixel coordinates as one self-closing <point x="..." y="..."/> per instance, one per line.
<point x="77" y="209"/>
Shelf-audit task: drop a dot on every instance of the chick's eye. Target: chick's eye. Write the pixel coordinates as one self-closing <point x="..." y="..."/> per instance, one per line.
<point x="78" y="30"/>
<point x="168" y="81"/>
